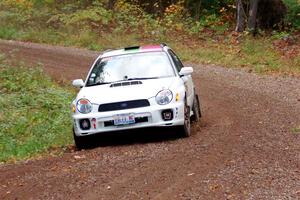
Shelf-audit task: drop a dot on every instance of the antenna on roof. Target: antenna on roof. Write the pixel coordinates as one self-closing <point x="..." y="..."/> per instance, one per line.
<point x="163" y="45"/>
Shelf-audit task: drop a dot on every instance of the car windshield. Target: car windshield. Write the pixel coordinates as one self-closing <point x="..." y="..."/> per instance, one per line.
<point x="136" y="66"/>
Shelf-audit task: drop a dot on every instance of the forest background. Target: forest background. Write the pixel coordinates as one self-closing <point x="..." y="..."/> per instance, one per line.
<point x="259" y="35"/>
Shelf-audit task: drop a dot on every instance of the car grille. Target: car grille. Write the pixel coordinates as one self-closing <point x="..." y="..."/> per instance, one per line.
<point x="124" y="105"/>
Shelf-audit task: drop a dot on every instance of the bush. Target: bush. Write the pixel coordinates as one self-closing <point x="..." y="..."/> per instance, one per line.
<point x="293" y="14"/>
<point x="34" y="113"/>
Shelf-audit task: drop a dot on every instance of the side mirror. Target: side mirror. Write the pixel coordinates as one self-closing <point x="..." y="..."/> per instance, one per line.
<point x="185" y="71"/>
<point x="78" y="83"/>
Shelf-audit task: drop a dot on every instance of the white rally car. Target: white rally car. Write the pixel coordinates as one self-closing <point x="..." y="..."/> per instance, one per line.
<point x="135" y="87"/>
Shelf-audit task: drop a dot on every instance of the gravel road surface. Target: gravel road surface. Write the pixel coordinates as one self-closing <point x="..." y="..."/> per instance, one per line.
<point x="245" y="147"/>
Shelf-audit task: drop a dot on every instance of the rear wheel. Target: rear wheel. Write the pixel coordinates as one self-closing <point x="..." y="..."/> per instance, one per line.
<point x="196" y="109"/>
<point x="80" y="141"/>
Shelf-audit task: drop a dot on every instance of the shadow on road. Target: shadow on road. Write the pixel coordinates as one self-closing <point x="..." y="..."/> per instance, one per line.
<point x="129" y="137"/>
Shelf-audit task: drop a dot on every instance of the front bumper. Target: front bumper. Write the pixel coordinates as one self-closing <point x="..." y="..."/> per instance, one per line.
<point x="145" y="117"/>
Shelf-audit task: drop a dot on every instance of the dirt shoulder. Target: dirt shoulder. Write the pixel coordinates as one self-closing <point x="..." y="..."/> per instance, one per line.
<point x="245" y="147"/>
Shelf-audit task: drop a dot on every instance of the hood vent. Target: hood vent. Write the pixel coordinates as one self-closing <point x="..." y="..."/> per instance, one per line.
<point x="126" y="83"/>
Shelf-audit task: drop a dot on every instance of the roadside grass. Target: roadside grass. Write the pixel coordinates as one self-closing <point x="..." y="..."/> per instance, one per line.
<point x="208" y="40"/>
<point x="255" y="54"/>
<point x="34" y="115"/>
<point x="8" y="33"/>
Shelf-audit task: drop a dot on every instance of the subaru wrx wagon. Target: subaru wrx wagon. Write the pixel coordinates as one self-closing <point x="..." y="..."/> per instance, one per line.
<point x="135" y="87"/>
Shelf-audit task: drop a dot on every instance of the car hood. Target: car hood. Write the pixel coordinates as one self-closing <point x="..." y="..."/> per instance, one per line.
<point x="105" y="94"/>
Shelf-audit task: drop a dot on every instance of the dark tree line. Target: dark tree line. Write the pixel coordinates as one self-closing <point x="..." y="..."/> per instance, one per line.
<point x="194" y="6"/>
<point x="264" y="14"/>
<point x="250" y="14"/>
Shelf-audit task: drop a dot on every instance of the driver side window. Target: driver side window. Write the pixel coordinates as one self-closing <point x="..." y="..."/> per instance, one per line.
<point x="176" y="60"/>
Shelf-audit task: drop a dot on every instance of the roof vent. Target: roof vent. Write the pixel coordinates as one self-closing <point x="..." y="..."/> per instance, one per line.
<point x="131" y="48"/>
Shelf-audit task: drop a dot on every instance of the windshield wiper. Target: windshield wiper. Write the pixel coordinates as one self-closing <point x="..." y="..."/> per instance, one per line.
<point x="131" y="79"/>
<point x="99" y="83"/>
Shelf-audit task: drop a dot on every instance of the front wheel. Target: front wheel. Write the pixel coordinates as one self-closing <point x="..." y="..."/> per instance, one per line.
<point x="185" y="129"/>
<point x="80" y="142"/>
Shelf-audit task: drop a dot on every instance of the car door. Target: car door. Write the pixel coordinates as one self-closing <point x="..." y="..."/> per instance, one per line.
<point x="188" y="82"/>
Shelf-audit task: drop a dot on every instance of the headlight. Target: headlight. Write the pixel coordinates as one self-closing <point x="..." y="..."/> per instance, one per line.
<point x="164" y="97"/>
<point x="84" y="106"/>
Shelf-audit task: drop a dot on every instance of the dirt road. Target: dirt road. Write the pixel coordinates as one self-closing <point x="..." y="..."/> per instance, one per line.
<point x="245" y="147"/>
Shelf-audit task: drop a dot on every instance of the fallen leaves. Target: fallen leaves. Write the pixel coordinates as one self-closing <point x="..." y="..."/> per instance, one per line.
<point x="214" y="187"/>
<point x="287" y="47"/>
<point x="77" y="157"/>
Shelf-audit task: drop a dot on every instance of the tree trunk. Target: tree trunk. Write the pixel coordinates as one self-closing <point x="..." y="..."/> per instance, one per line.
<point x="111" y="4"/>
<point x="240" y="17"/>
<point x="198" y="9"/>
<point x="252" y="15"/>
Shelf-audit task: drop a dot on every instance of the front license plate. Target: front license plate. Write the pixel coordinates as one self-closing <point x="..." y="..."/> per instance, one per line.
<point x="124" y="119"/>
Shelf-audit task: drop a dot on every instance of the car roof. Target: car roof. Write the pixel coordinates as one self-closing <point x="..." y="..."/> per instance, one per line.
<point x="133" y="49"/>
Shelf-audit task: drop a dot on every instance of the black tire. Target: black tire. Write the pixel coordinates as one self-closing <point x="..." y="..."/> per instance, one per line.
<point x="196" y="109"/>
<point x="185" y="130"/>
<point x="80" y="141"/>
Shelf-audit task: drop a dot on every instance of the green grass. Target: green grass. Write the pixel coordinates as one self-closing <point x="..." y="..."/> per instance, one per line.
<point x="8" y="33"/>
<point x="255" y="54"/>
<point x="34" y="115"/>
<point x="205" y="41"/>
